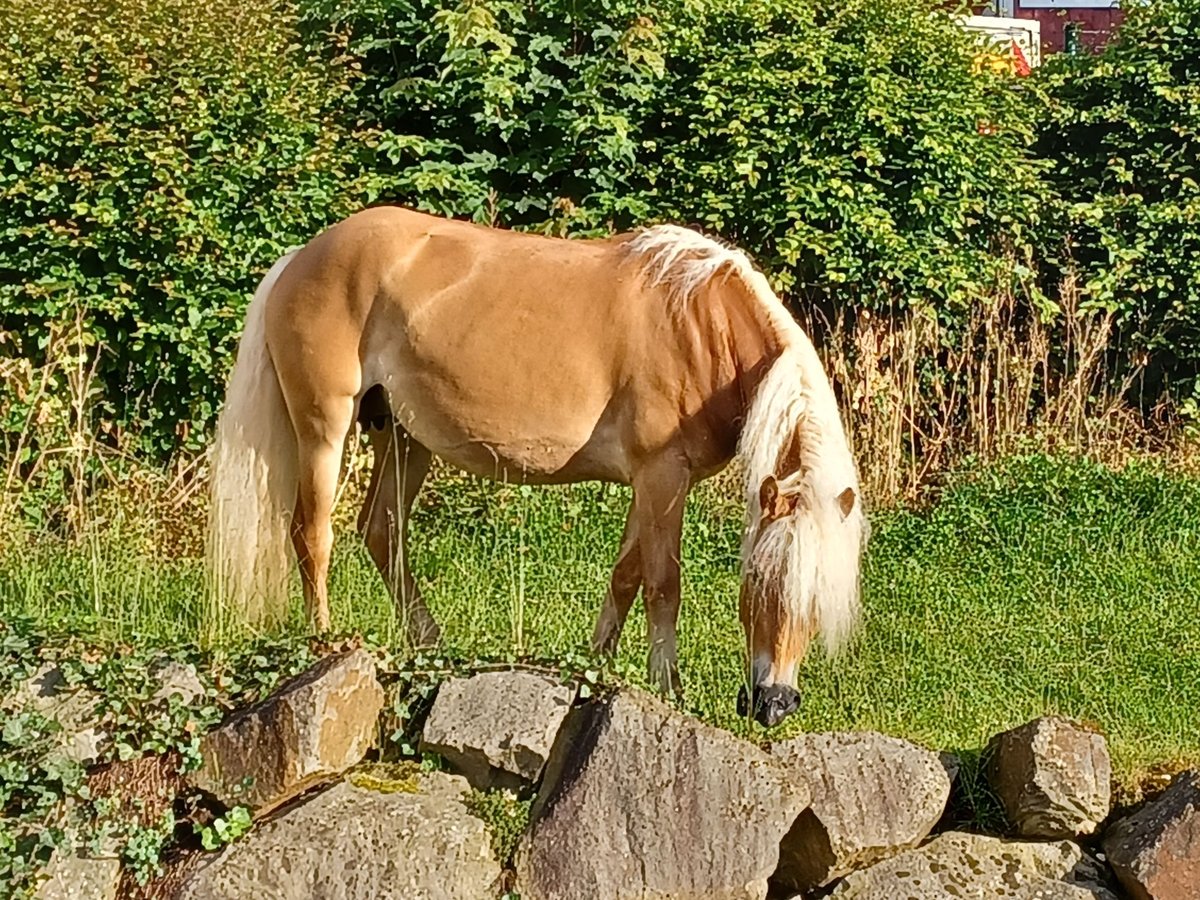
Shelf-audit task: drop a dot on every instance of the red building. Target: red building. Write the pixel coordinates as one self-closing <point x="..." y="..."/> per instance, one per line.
<point x="1093" y="21"/>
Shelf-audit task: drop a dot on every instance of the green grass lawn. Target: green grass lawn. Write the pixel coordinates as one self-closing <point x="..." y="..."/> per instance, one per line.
<point x="1034" y="587"/>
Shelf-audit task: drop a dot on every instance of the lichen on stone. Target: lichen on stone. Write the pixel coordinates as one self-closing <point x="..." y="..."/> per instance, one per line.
<point x="387" y="778"/>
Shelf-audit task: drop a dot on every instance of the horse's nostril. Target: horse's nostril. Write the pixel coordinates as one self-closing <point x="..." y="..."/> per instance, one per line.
<point x="772" y="704"/>
<point x="779" y="702"/>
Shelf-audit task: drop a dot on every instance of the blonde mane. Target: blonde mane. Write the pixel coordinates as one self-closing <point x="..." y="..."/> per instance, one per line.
<point x="814" y="553"/>
<point x="682" y="261"/>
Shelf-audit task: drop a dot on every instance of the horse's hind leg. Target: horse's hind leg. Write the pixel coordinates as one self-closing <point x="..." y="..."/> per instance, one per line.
<point x="320" y="438"/>
<point x="398" y="470"/>
<point x="622" y="589"/>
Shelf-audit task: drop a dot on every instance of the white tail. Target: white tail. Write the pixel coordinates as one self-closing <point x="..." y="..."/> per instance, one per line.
<point x="253" y="485"/>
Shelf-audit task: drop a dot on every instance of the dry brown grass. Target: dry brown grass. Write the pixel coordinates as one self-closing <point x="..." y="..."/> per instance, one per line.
<point x="921" y="398"/>
<point x="59" y="457"/>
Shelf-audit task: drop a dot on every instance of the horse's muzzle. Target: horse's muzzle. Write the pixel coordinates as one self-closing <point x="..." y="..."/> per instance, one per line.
<point x="772" y="704"/>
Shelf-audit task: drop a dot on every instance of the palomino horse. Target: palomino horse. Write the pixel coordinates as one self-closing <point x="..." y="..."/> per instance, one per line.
<point x="647" y="359"/>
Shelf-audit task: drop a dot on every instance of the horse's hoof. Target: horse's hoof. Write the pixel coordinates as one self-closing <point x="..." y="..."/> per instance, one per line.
<point x="670" y="687"/>
<point x="743" y="702"/>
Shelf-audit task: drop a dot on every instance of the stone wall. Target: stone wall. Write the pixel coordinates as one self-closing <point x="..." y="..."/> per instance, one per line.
<point x="627" y="799"/>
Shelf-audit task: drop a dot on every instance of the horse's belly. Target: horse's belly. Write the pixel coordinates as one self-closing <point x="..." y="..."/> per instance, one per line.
<point x="532" y="462"/>
<point x="507" y="434"/>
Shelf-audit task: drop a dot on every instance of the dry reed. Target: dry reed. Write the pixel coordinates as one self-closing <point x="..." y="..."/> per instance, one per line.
<point x="922" y="398"/>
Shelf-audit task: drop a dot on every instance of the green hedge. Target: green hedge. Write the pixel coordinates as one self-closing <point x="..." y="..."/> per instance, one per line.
<point x="1123" y="137"/>
<point x="854" y="148"/>
<point x="156" y="156"/>
<point x="840" y="142"/>
<point x="526" y="115"/>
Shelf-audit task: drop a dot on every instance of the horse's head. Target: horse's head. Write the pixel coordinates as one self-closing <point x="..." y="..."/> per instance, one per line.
<point x="790" y="579"/>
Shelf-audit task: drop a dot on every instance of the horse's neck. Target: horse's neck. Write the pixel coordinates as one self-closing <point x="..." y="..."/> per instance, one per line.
<point x="733" y="346"/>
<point x="755" y="344"/>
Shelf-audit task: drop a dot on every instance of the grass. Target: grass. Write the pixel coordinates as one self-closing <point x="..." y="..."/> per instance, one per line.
<point x="1032" y="587"/>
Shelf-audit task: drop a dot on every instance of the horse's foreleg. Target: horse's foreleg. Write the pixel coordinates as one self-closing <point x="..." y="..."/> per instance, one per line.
<point x="320" y="443"/>
<point x="398" y="471"/>
<point x="659" y="491"/>
<point x="622" y="588"/>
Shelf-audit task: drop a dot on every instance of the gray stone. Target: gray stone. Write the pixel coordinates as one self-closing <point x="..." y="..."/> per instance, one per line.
<point x="639" y="801"/>
<point x="81" y="737"/>
<point x="962" y="865"/>
<point x="83" y="746"/>
<point x="70" y="877"/>
<point x="497" y="728"/>
<point x="348" y="843"/>
<point x="952" y="764"/>
<point x="309" y="731"/>
<point x="1052" y="777"/>
<point x="1156" y="850"/>
<point x="176" y="678"/>
<point x="872" y="797"/>
<point x="41" y="691"/>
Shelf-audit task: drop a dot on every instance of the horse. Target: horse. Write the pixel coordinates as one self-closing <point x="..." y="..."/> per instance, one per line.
<point x="651" y="358"/>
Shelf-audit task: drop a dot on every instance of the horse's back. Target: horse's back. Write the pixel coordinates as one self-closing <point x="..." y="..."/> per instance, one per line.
<point x="498" y="350"/>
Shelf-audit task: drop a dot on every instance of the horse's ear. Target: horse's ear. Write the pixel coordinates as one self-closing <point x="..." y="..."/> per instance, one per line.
<point x="846" y="500"/>
<point x="773" y="503"/>
<point x="768" y="497"/>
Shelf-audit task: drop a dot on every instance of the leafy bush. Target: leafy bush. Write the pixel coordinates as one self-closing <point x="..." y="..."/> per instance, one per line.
<point x="855" y="148"/>
<point x="503" y="111"/>
<point x="158" y="155"/>
<point x="1124" y="139"/>
<point x="155" y="157"/>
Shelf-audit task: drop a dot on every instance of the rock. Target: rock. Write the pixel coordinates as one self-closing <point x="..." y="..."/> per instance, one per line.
<point x="71" y="877"/>
<point x="1052" y="777"/>
<point x="872" y="796"/>
<point x="348" y="843"/>
<point x="309" y="731"/>
<point x="639" y="801"/>
<point x="47" y="692"/>
<point x="952" y="764"/>
<point x="83" y="746"/>
<point x="1156" y="850"/>
<point x="131" y="793"/>
<point x="956" y="864"/>
<point x="497" y="728"/>
<point x="178" y="678"/>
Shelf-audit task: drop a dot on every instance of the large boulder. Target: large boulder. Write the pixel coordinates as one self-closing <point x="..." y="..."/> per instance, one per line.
<point x="349" y="843"/>
<point x="309" y="731"/>
<point x="1052" y="777"/>
<point x="872" y="797"/>
<point x="639" y="801"/>
<point x="956" y="864"/>
<point x="497" y="728"/>
<point x="1156" y="850"/>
